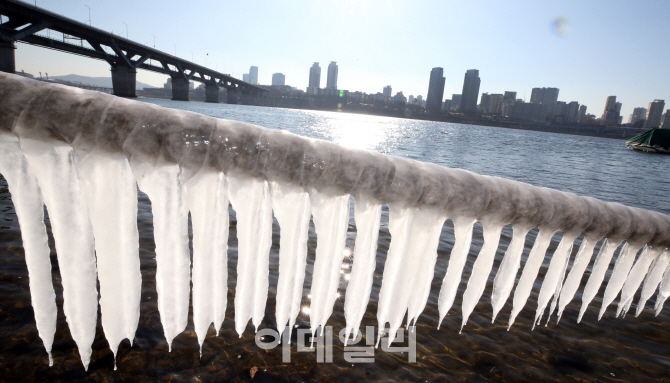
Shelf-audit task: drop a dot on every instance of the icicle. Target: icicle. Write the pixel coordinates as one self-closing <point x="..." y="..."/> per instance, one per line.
<point x="163" y="186"/>
<point x="53" y="165"/>
<point x="551" y="278"/>
<point x="409" y="265"/>
<point x="600" y="267"/>
<point x="27" y="200"/>
<point x="653" y="279"/>
<point x="635" y="277"/>
<point x="368" y="217"/>
<point x="111" y="194"/>
<point x="579" y="266"/>
<point x="292" y="210"/>
<point x="207" y="200"/>
<point x="331" y="220"/>
<point x="504" y="280"/>
<point x="429" y="224"/>
<point x="557" y="292"/>
<point x="459" y="254"/>
<point x="530" y="271"/>
<point x="481" y="270"/>
<point x="621" y="268"/>
<point x="251" y="200"/>
<point x="663" y="291"/>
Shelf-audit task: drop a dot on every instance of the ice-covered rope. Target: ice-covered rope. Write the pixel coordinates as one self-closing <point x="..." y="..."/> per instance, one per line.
<point x="81" y="153"/>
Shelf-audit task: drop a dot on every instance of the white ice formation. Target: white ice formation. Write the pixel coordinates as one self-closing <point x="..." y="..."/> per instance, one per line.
<point x="81" y="153"/>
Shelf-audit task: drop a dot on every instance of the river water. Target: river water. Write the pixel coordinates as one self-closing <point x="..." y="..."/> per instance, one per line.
<point x="630" y="349"/>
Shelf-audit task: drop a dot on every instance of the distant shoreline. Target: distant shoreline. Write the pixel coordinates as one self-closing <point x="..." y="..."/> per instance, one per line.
<point x="619" y="133"/>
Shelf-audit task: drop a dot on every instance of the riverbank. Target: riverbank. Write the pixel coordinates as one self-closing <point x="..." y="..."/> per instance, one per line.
<point x="415" y="113"/>
<point x="593" y="131"/>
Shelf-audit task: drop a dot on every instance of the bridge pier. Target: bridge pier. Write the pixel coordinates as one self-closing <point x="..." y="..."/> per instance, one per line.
<point x="233" y="96"/>
<point x="249" y="99"/>
<point x="180" y="88"/>
<point x="7" y="58"/>
<point x="124" y="81"/>
<point x="212" y="92"/>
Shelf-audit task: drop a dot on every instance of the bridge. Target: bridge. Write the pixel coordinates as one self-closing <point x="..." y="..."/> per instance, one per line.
<point x="123" y="55"/>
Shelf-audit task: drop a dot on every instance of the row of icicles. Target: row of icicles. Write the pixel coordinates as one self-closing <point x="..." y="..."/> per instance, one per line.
<point x="92" y="205"/>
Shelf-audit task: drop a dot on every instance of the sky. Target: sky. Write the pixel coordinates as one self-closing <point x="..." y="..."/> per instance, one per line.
<point x="587" y="49"/>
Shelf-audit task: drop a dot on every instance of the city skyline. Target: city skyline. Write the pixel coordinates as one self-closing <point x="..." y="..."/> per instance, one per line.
<point x="555" y="45"/>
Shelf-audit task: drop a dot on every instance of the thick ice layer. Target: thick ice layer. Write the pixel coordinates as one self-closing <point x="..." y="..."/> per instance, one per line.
<point x="73" y="152"/>
<point x="27" y="200"/>
<point x="635" y="277"/>
<point x="653" y="279"/>
<point x="554" y="274"/>
<point x="481" y="270"/>
<point x="459" y="254"/>
<point x="598" y="274"/>
<point x="367" y="215"/>
<point x="530" y="271"/>
<point x="409" y="265"/>
<point x="53" y="166"/>
<point x="250" y="198"/>
<point x="663" y="291"/>
<point x="161" y="182"/>
<point x="621" y="268"/>
<point x="575" y="276"/>
<point x="207" y="199"/>
<point x="331" y="219"/>
<point x="504" y="281"/>
<point x="111" y="194"/>
<point x="292" y="209"/>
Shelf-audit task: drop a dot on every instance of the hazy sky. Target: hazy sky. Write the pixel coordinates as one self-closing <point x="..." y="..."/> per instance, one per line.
<point x="597" y="49"/>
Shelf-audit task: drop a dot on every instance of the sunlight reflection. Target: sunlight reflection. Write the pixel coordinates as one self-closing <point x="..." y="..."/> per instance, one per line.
<point x="361" y="131"/>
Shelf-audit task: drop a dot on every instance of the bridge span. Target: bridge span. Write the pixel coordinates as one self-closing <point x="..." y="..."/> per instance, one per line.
<point x="123" y="55"/>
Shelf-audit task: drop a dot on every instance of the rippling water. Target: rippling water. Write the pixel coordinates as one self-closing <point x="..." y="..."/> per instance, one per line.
<point x="632" y="349"/>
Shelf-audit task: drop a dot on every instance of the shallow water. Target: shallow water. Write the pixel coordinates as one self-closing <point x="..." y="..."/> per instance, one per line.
<point x="630" y="349"/>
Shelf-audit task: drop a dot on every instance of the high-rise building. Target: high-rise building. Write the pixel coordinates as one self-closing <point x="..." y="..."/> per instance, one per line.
<point x="456" y="102"/>
<point x="654" y="113"/>
<point x="559" y="112"/>
<point x="410" y="99"/>
<point x="545" y="96"/>
<point x="245" y="77"/>
<point x="314" y="78"/>
<point x="536" y="95"/>
<point x="470" y="91"/>
<point x="485" y="103"/>
<point x="509" y="96"/>
<point x="508" y="101"/>
<point x="572" y="113"/>
<point x="497" y="102"/>
<point x="611" y="114"/>
<point x="528" y="111"/>
<point x="582" y="114"/>
<point x="253" y="75"/>
<point x="387" y="91"/>
<point x="278" y="79"/>
<point x="331" y="81"/>
<point x="435" y="90"/>
<point x="639" y="114"/>
<point x="666" y="120"/>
